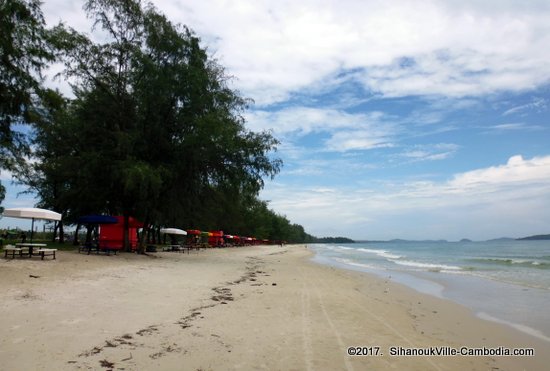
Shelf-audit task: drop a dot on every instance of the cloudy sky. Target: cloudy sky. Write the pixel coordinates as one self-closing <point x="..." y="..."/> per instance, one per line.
<point x="397" y="119"/>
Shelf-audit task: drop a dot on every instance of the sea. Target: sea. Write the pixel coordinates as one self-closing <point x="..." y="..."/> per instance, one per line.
<point x="506" y="280"/>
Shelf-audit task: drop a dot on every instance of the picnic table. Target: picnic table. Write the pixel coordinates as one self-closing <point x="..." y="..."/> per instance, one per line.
<point x="178" y="248"/>
<point x="24" y="248"/>
<point x="95" y="247"/>
<point x="30" y="246"/>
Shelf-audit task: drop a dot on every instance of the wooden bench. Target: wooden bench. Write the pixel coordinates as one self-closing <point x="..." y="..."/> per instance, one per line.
<point x="97" y="249"/>
<point x="107" y="250"/>
<point x="177" y="248"/>
<point x="13" y="250"/>
<point x="89" y="248"/>
<point x="46" y="252"/>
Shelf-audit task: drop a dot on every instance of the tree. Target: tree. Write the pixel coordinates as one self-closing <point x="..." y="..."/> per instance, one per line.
<point x="23" y="52"/>
<point x="154" y="129"/>
<point x="47" y="178"/>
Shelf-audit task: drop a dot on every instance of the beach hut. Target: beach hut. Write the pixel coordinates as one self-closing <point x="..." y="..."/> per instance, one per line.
<point x="93" y="225"/>
<point x="236" y="241"/>
<point x="215" y="239"/>
<point x="173" y="233"/>
<point x="111" y="236"/>
<point x="204" y="238"/>
<point x="193" y="237"/>
<point x="229" y="240"/>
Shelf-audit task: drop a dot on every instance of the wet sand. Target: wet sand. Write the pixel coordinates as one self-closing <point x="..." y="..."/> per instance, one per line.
<point x="238" y="309"/>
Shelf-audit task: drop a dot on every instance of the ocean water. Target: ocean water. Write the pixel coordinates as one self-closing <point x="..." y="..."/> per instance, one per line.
<point x="506" y="281"/>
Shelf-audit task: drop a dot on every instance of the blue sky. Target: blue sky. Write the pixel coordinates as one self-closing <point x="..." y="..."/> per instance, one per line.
<point x="397" y="119"/>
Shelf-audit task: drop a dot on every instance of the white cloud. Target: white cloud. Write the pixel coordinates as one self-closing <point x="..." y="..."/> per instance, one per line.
<point x="286" y="53"/>
<point x="480" y="203"/>
<point x="341" y="168"/>
<point x="6" y="175"/>
<point x="367" y="138"/>
<point x="440" y="151"/>
<point x="346" y="131"/>
<point x="305" y="120"/>
<point x="538" y="104"/>
<point x="517" y="171"/>
<point x="276" y="48"/>
<point x="510" y="126"/>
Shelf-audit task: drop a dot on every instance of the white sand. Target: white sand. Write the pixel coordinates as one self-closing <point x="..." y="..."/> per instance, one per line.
<point x="242" y="309"/>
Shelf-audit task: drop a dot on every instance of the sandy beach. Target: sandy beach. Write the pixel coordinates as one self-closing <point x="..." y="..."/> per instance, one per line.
<point x="253" y="308"/>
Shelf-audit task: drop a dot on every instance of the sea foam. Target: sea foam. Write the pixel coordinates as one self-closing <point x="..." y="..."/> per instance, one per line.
<point x="382" y="253"/>
<point x="428" y="266"/>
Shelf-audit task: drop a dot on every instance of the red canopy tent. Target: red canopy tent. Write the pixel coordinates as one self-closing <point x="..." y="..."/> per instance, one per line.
<point x="193" y="236"/>
<point x="215" y="238"/>
<point x="111" y="236"/>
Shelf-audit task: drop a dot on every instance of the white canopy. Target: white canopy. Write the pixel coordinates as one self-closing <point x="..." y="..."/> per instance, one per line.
<point x="31" y="213"/>
<point x="173" y="231"/>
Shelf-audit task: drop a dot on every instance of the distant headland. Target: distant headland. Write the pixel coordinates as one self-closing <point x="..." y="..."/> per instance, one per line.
<point x="535" y="237"/>
<point x="538" y="237"/>
<point x="333" y="240"/>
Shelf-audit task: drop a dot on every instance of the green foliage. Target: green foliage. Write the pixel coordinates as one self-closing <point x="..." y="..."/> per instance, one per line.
<point x="2" y="195"/>
<point x="334" y="240"/>
<point x="23" y="53"/>
<point x="535" y="237"/>
<point x="154" y="131"/>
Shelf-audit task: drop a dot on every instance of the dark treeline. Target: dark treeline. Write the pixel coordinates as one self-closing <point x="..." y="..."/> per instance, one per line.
<point x="152" y="130"/>
<point x="537" y="237"/>
<point x="333" y="240"/>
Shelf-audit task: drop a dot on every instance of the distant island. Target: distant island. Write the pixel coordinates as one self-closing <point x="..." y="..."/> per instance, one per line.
<point x="538" y="237"/>
<point x="333" y="240"/>
<point x="535" y="238"/>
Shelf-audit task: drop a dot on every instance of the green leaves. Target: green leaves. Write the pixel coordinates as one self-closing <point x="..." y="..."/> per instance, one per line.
<point x="23" y="54"/>
<point x="154" y="131"/>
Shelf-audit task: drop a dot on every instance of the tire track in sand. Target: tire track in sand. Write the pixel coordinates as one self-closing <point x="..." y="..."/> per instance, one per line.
<point x="312" y="286"/>
<point x="306" y="327"/>
<point x="371" y="314"/>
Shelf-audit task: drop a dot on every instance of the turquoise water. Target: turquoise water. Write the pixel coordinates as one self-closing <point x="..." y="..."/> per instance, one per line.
<point x="505" y="280"/>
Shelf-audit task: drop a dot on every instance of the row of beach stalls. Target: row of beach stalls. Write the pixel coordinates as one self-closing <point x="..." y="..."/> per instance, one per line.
<point x="215" y="238"/>
<point x="108" y="232"/>
<point x="219" y="239"/>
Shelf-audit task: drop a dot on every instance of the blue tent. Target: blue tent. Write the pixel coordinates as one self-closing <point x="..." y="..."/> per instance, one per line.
<point x="97" y="219"/>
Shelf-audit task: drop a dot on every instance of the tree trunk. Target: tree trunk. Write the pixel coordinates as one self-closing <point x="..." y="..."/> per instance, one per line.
<point x="58" y="226"/>
<point x="157" y="231"/>
<point x="55" y="224"/>
<point x="88" y="235"/>
<point x="75" y="239"/>
<point x="61" y="233"/>
<point x="142" y="247"/>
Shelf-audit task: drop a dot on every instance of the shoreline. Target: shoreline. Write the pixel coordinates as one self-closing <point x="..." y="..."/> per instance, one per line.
<point x="471" y="292"/>
<point x="256" y="307"/>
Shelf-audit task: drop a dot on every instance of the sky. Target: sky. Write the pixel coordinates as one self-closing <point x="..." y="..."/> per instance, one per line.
<point x="397" y="119"/>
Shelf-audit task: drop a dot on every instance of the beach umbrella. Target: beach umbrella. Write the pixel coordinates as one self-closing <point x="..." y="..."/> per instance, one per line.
<point x="31" y="213"/>
<point x="173" y="231"/>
